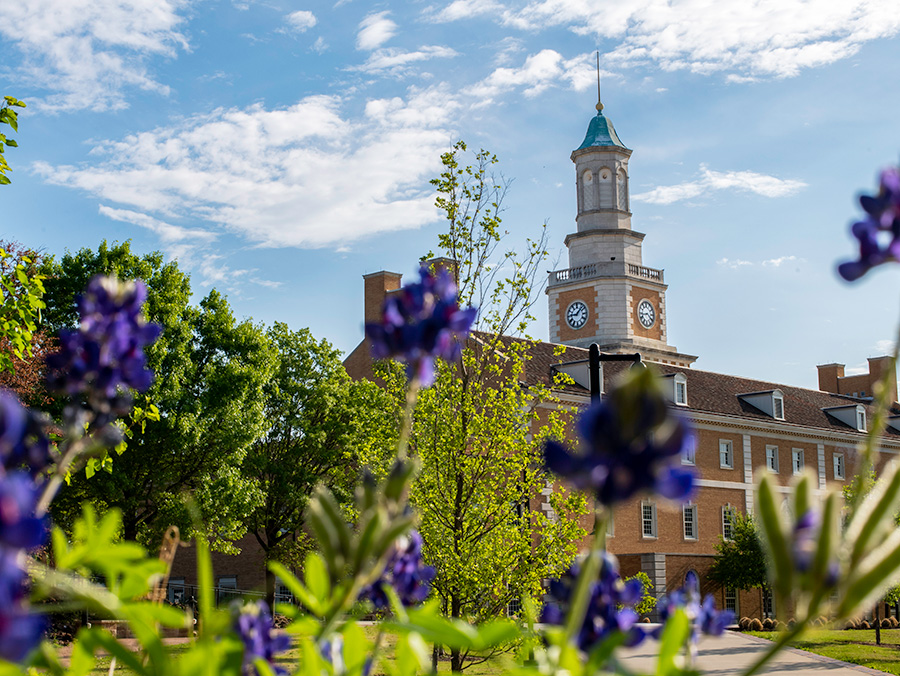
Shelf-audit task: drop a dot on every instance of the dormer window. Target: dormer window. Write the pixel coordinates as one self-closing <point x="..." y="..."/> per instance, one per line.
<point x="852" y="415"/>
<point x="680" y="390"/>
<point x="770" y="402"/>
<point x="777" y="406"/>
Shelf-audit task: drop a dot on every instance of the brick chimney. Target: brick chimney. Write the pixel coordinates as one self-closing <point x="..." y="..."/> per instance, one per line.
<point x="828" y="377"/>
<point x="377" y="286"/>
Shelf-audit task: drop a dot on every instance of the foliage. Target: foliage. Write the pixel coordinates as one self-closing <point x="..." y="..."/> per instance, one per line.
<point x="740" y="562"/>
<point x="8" y="115"/>
<point x="648" y="601"/>
<point x="319" y="422"/>
<point x="21" y="291"/>
<point x="477" y="431"/>
<point x="210" y="373"/>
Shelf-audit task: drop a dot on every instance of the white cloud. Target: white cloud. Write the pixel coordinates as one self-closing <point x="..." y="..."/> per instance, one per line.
<point x="374" y="31"/>
<point x="709" y="181"/>
<point x="733" y="263"/>
<point x="178" y="242"/>
<point x="398" y="60"/>
<point x="884" y="346"/>
<point x="301" y="20"/>
<point x="301" y="176"/>
<point x="746" y="38"/>
<point x="87" y="53"/>
<point x="466" y="9"/>
<point x="320" y="46"/>
<point x="778" y="262"/>
<point x="539" y="72"/>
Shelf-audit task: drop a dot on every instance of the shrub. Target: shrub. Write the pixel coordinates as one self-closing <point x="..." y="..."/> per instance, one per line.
<point x="768" y="624"/>
<point x="744" y="624"/>
<point x="756" y="625"/>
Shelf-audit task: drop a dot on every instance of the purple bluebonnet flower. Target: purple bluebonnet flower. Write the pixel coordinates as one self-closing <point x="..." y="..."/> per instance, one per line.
<point x="703" y="616"/>
<point x="805" y="541"/>
<point x="333" y="652"/>
<point x="610" y="607"/>
<point x="20" y="630"/>
<point x="23" y="436"/>
<point x="254" y="626"/>
<point x="19" y="527"/>
<point x="422" y="321"/>
<point x="632" y="440"/>
<point x="879" y="233"/>
<point x="105" y="356"/>
<point x="405" y="572"/>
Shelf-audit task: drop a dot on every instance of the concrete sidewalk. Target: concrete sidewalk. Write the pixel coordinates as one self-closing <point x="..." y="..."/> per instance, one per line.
<point x="733" y="652"/>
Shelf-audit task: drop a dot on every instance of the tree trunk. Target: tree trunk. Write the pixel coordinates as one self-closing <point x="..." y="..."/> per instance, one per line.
<point x="270" y="590"/>
<point x="878" y="623"/>
<point x="456" y="661"/>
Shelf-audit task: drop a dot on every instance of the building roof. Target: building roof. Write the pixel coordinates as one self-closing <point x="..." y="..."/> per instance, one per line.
<point x="707" y="392"/>
<point x="601" y="133"/>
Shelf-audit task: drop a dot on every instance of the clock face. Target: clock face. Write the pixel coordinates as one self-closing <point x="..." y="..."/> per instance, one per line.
<point x="577" y="314"/>
<point x="646" y="313"/>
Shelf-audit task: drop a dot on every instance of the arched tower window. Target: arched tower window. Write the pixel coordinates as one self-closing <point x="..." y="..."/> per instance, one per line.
<point x="605" y="176"/>
<point x="587" y="181"/>
<point x="622" y="189"/>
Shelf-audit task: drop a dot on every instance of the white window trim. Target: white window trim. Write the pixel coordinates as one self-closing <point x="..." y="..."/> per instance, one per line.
<point x="838" y="459"/>
<point x="679" y="379"/>
<point x="727" y="510"/>
<point x="861" y="419"/>
<point x="795" y="453"/>
<point x="769" y="465"/>
<point x="694" y="521"/>
<point x="652" y="506"/>
<point x="689" y="455"/>
<point x="777" y="401"/>
<point x="730" y="445"/>
<point x="731" y="591"/>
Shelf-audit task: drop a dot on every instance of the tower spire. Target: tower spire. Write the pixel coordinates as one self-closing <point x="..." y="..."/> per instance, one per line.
<point x="599" y="105"/>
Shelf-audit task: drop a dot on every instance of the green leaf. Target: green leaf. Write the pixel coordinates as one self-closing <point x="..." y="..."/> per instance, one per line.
<point x="297" y="588"/>
<point x="675" y="635"/>
<point x="316" y="576"/>
<point x="774" y="538"/>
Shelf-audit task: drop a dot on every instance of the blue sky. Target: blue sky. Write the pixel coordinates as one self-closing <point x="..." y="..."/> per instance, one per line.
<point x="280" y="150"/>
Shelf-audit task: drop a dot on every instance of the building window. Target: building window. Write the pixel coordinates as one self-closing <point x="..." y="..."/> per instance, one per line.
<point x="731" y="600"/>
<point x="610" y="525"/>
<point x="226" y="589"/>
<point x="648" y="519"/>
<point x="797" y="460"/>
<point x="727" y="522"/>
<point x="778" y="407"/>
<point x="838" y="465"/>
<point x="680" y="391"/>
<point x="690" y="521"/>
<point x="768" y="603"/>
<point x="861" y="420"/>
<point x="772" y="458"/>
<point x="175" y="591"/>
<point x="726" y="454"/>
<point x="689" y="454"/>
<point x="514" y="608"/>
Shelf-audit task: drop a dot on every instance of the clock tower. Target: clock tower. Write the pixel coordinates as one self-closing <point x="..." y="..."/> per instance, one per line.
<point x="606" y="295"/>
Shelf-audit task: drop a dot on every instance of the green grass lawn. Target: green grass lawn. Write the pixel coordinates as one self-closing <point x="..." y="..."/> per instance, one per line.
<point x="854" y="646"/>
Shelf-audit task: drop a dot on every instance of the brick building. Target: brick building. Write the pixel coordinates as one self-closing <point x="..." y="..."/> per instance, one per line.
<point x="745" y="427"/>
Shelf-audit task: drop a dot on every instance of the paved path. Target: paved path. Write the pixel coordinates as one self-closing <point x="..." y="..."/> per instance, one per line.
<point x="734" y="652"/>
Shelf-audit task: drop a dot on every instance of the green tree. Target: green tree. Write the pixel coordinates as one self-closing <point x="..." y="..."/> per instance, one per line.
<point x="320" y="423"/>
<point x="210" y="371"/>
<point x="21" y="292"/>
<point x="478" y="430"/>
<point x="740" y="562"/>
<point x="8" y="115"/>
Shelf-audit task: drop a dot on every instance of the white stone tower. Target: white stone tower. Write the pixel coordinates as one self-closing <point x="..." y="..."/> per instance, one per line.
<point x="607" y="296"/>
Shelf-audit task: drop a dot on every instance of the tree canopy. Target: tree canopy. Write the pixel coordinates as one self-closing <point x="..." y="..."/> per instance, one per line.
<point x="210" y="372"/>
<point x="740" y="562"/>
<point x="320" y="423"/>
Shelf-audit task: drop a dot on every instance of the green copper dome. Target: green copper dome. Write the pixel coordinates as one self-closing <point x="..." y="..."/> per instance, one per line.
<point x="601" y="133"/>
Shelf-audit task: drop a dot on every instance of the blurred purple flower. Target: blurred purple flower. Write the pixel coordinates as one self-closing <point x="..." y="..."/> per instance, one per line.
<point x="23" y="437"/>
<point x="333" y="652"/>
<point x="105" y="356"/>
<point x="610" y="607"/>
<point x="19" y="527"/>
<point x="405" y="572"/>
<point x="632" y="440"/>
<point x="703" y="616"/>
<point x="422" y="321"/>
<point x="882" y="216"/>
<point x="20" y="630"/>
<point x="253" y="625"/>
<point x="805" y="542"/>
